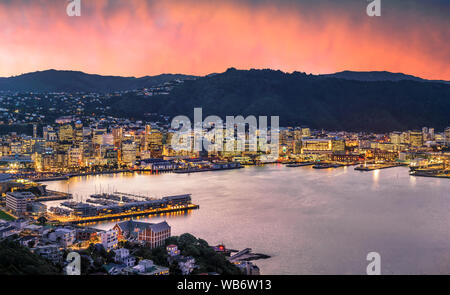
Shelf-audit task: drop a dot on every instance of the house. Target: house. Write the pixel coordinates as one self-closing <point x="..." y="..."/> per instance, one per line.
<point x="185" y="264"/>
<point x="122" y="256"/>
<point x="21" y="223"/>
<point x="114" y="269"/>
<point x="109" y="239"/>
<point x="172" y="250"/>
<point x="6" y="229"/>
<point x="86" y="234"/>
<point x="49" y="252"/>
<point x="151" y="234"/>
<point x="146" y="267"/>
<point x="29" y="241"/>
<point x="64" y="236"/>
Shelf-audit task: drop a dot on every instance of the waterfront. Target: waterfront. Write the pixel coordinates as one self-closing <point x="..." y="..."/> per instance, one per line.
<point x="311" y="221"/>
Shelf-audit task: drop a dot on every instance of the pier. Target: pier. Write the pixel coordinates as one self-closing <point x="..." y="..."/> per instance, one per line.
<point x="95" y="219"/>
<point x="379" y="166"/>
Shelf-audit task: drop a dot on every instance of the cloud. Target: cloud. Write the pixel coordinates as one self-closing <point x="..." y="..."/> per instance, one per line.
<point x="145" y="37"/>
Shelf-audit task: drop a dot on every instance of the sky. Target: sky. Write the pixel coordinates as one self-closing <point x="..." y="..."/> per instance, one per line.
<point x="149" y="37"/>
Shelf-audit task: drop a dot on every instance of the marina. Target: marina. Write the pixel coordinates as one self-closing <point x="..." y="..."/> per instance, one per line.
<point x="101" y="207"/>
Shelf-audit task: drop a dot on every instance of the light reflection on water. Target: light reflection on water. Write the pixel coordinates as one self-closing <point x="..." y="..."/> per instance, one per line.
<point x="311" y="221"/>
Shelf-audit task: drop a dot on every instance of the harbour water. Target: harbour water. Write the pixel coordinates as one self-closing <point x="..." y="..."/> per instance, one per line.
<point x="311" y="221"/>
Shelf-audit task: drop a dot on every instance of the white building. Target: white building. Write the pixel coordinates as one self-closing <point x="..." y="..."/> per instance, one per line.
<point x="63" y="236"/>
<point x="123" y="256"/>
<point x="109" y="239"/>
<point x="17" y="201"/>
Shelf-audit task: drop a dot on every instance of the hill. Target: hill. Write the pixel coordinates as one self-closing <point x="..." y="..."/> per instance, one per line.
<point x="18" y="260"/>
<point x="301" y="99"/>
<point x="377" y="76"/>
<point x="72" y="81"/>
<point x="353" y="101"/>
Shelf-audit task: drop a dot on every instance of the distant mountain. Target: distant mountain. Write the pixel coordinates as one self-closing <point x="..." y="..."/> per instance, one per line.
<point x="301" y="99"/>
<point x="72" y="81"/>
<point x="377" y="76"/>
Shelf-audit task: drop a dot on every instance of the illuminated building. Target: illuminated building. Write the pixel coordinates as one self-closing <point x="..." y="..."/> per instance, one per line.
<point x="65" y="132"/>
<point x="338" y="145"/>
<point x="415" y="138"/>
<point x="97" y="136"/>
<point x="395" y="137"/>
<point x="75" y="157"/>
<point x="111" y="156"/>
<point x="306" y="132"/>
<point x="447" y="136"/>
<point x="109" y="239"/>
<point x="78" y="132"/>
<point x="344" y="157"/>
<point x="316" y="145"/>
<point x="151" y="234"/>
<point x="128" y="153"/>
<point x="117" y="136"/>
<point x="17" y="202"/>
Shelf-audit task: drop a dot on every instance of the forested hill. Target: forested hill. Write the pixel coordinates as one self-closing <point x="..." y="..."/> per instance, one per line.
<point x="301" y="99"/>
<point x="73" y="81"/>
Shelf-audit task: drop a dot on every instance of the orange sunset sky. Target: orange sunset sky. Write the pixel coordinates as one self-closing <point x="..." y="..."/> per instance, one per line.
<point x="146" y="37"/>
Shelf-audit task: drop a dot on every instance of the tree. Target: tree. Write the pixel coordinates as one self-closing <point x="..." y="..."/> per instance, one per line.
<point x="42" y="220"/>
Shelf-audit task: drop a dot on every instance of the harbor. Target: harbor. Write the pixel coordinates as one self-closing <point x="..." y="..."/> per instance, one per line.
<point x="238" y="210"/>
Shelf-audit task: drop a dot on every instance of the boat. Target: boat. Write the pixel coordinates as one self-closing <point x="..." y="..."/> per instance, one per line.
<point x="326" y="166"/>
<point x="299" y="164"/>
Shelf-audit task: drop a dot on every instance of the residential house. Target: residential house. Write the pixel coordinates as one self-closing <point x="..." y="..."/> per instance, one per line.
<point x="123" y="257"/>
<point x="147" y="267"/>
<point x="64" y="236"/>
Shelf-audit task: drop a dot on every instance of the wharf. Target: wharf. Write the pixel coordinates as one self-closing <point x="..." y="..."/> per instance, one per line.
<point x="94" y="219"/>
<point x="378" y="166"/>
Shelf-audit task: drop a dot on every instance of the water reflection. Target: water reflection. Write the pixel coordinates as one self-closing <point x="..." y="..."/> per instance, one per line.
<point x="311" y="221"/>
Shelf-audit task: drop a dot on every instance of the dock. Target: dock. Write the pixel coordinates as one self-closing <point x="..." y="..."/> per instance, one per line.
<point x="378" y="166"/>
<point x="95" y="219"/>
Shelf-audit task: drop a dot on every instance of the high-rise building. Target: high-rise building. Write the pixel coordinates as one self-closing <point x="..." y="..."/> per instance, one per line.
<point x="431" y="133"/>
<point x="338" y="145"/>
<point x="65" y="132"/>
<point x="34" y="130"/>
<point x="416" y="138"/>
<point x="306" y="132"/>
<point x="78" y="131"/>
<point x="128" y="152"/>
<point x="395" y="137"/>
<point x="447" y="136"/>
<point x="117" y="136"/>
